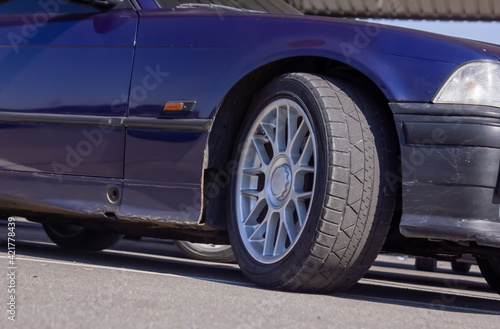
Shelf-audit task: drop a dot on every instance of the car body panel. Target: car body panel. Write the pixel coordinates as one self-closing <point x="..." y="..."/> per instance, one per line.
<point x="48" y="197"/>
<point x="391" y="57"/>
<point x="52" y="73"/>
<point x="62" y="149"/>
<point x="194" y="67"/>
<point x="163" y="174"/>
<point x="450" y="159"/>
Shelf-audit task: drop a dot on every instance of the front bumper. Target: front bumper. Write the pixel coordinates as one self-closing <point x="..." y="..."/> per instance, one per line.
<point x="450" y="163"/>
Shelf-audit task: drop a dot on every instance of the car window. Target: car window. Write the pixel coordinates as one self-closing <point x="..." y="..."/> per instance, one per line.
<point x="268" y="6"/>
<point x="51" y="7"/>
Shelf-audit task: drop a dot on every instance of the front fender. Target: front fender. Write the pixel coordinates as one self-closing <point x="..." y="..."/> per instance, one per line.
<point x="207" y="53"/>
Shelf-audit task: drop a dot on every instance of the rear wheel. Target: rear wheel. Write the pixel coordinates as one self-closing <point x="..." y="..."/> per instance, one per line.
<point x="76" y="237"/>
<point x="203" y="251"/>
<point x="490" y="268"/>
<point x="310" y="207"/>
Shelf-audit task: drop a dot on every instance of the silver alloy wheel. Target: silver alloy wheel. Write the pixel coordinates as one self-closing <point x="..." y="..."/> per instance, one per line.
<point x="221" y="253"/>
<point x="276" y="179"/>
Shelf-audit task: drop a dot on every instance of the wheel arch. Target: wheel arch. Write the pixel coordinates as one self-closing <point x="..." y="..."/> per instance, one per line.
<point x="230" y="113"/>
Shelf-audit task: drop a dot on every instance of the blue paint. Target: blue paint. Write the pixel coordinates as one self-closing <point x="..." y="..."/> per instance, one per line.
<point x="126" y="63"/>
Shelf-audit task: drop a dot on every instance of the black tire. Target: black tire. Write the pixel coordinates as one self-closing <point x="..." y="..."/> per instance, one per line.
<point x="460" y="267"/>
<point x="490" y="268"/>
<point x="207" y="252"/>
<point x="353" y="202"/>
<point x="71" y="236"/>
<point x="425" y="264"/>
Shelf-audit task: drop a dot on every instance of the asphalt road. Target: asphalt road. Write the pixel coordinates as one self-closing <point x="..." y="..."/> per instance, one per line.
<point x="149" y="284"/>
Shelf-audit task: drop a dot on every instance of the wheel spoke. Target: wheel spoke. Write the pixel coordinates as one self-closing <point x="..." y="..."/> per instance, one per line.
<point x="301" y="211"/>
<point x="270" y="234"/>
<point x="293" y="115"/>
<point x="281" y="129"/>
<point x="258" y="234"/>
<point x="269" y="130"/>
<point x="258" y="142"/>
<point x="288" y="222"/>
<point x="296" y="142"/>
<point x="253" y="171"/>
<point x="307" y="153"/>
<point x="279" y="247"/>
<point x="255" y="212"/>
<point x="304" y="169"/>
<point x="251" y="193"/>
<point x="303" y="195"/>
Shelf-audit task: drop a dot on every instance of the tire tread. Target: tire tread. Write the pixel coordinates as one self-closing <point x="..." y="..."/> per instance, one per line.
<point x="351" y="183"/>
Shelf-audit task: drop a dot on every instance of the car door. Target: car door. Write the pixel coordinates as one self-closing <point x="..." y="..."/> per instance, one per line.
<point x="64" y="79"/>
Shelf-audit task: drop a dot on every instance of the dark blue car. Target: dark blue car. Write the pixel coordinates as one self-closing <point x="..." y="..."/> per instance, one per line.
<point x="310" y="144"/>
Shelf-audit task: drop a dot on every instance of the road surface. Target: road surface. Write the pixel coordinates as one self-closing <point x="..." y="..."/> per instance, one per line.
<point x="150" y="284"/>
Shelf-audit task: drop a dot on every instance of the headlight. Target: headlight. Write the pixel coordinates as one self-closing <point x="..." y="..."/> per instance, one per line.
<point x="475" y="83"/>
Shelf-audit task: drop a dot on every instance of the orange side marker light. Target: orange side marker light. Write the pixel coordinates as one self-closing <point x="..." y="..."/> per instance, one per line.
<point x="173" y="107"/>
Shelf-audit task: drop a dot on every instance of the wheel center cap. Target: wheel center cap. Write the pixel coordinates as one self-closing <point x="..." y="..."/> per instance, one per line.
<point x="281" y="181"/>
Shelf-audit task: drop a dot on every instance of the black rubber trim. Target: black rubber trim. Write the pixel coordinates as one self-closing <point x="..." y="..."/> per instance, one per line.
<point x="67" y="119"/>
<point x="455" y="120"/>
<point x="445" y="109"/>
<point x="449" y="124"/>
<point x="483" y="232"/>
<point x="130" y="122"/>
<point x="452" y="134"/>
<point x="170" y="124"/>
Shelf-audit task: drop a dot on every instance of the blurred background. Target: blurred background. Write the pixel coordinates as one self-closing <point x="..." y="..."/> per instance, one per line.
<point x="470" y="19"/>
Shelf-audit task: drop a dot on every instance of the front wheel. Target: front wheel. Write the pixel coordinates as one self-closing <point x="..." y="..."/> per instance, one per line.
<point x="310" y="205"/>
<point x="490" y="268"/>
<point x="72" y="236"/>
